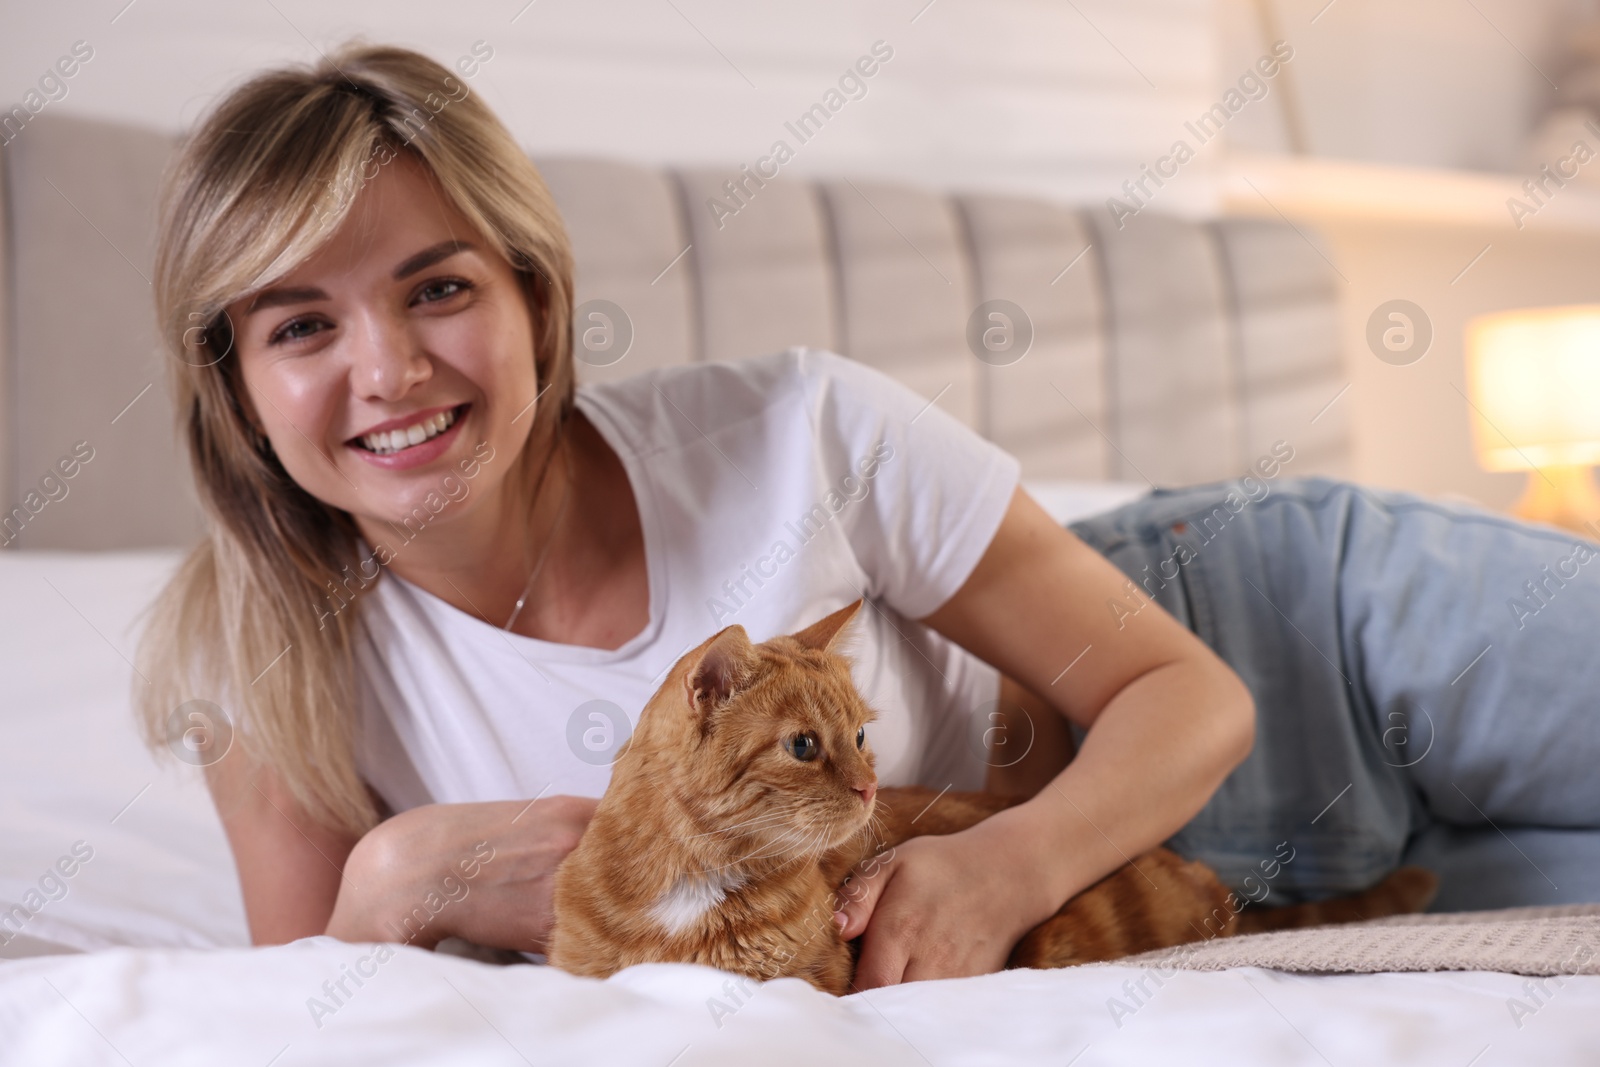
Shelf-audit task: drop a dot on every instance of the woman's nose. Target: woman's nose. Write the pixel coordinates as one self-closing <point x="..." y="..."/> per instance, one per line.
<point x="386" y="360"/>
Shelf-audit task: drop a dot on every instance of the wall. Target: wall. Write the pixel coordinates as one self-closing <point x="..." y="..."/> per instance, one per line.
<point x="1440" y="83"/>
<point x="1412" y="425"/>
<point x="1431" y="84"/>
<point x="1061" y="100"/>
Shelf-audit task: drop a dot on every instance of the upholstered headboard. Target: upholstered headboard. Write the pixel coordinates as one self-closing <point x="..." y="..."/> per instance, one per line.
<point x="1168" y="351"/>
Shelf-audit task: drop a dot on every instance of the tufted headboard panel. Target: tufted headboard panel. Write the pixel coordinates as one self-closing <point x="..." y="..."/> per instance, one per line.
<point x="1167" y="351"/>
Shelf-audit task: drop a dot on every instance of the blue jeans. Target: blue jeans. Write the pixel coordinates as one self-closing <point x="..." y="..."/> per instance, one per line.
<point x="1426" y="678"/>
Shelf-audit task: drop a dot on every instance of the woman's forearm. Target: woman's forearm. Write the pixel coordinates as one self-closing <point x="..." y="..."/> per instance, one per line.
<point x="481" y="871"/>
<point x="389" y="875"/>
<point x="1152" y="759"/>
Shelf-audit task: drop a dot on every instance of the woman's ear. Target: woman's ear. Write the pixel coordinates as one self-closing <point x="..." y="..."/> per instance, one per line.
<point x="725" y="665"/>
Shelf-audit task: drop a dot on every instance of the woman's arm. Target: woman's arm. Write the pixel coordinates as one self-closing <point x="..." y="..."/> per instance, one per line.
<point x="1167" y="721"/>
<point x="484" y="871"/>
<point x="289" y="866"/>
<point x="481" y="871"/>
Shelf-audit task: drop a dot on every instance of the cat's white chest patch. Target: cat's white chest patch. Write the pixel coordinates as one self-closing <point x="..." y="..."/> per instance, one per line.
<point x="690" y="897"/>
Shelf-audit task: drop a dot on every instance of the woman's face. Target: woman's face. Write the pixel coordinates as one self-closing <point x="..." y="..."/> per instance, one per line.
<point x="396" y="361"/>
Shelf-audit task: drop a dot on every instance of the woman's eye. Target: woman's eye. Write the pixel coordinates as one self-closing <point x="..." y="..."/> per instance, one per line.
<point x="287" y="332"/>
<point x="803" y="747"/>
<point x="431" y="293"/>
<point x="861" y="736"/>
<point x="453" y="285"/>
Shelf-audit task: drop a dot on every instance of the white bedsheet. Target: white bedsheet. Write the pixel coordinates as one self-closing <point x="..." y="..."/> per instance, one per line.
<point x="249" y="1007"/>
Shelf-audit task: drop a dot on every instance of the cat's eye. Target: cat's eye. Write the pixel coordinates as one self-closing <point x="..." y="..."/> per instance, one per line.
<point x="861" y="736"/>
<point x="803" y="747"/>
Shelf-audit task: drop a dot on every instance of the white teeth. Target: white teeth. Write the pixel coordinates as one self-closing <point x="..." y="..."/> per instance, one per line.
<point x="386" y="442"/>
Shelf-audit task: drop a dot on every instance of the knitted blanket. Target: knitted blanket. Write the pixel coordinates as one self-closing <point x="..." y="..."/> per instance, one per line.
<point x="1535" y="941"/>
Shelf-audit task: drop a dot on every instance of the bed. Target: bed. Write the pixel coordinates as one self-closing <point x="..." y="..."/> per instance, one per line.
<point x="1167" y="353"/>
<point x="141" y="955"/>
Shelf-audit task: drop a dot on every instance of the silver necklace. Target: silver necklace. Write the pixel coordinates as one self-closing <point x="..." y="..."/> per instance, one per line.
<point x="566" y="492"/>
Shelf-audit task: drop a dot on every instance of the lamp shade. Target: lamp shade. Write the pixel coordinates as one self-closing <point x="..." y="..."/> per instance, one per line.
<point x="1534" y="376"/>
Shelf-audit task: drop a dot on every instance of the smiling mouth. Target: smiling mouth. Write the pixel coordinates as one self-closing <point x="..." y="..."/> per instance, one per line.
<point x="390" y="442"/>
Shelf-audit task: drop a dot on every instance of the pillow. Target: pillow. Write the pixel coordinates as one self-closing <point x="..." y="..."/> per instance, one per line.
<point x="106" y="843"/>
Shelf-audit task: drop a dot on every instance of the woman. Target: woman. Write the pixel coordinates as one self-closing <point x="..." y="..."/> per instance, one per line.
<point x="436" y="574"/>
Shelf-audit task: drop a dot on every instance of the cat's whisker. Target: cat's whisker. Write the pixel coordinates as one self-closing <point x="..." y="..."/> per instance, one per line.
<point x="736" y="861"/>
<point x="776" y="827"/>
<point x="773" y="844"/>
<point x="798" y="836"/>
<point x="876" y="827"/>
<point x="819" y="844"/>
<point x="758" y="821"/>
<point x="814" y="843"/>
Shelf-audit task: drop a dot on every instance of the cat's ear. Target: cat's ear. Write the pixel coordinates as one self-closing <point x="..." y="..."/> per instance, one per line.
<point x="724" y="667"/>
<point x="824" y="633"/>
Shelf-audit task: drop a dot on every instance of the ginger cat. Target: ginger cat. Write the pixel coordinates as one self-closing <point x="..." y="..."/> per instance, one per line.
<point x="747" y="794"/>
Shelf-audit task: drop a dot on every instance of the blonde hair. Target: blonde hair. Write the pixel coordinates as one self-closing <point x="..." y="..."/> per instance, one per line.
<point x="266" y="180"/>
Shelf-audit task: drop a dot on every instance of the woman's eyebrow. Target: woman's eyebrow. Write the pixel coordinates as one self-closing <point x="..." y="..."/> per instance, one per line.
<point x="270" y="298"/>
<point x="429" y="256"/>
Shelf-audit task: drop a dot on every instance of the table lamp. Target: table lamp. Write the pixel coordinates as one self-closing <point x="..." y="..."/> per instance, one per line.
<point x="1534" y="377"/>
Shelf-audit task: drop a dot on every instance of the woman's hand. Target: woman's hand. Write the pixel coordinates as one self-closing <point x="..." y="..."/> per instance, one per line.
<point x="944" y="907"/>
<point x="484" y="872"/>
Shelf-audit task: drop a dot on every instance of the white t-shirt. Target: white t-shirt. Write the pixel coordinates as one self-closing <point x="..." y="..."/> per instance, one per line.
<point x="771" y="491"/>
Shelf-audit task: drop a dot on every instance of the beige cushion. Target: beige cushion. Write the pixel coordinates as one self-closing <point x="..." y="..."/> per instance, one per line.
<point x="80" y="343"/>
<point x="1049" y="408"/>
<point x="1286" y="322"/>
<point x="905" y="284"/>
<point x="762" y="277"/>
<point x="625" y="228"/>
<point x="1173" y="381"/>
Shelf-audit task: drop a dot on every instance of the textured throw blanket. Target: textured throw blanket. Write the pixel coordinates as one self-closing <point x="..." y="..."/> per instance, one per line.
<point x="1534" y="941"/>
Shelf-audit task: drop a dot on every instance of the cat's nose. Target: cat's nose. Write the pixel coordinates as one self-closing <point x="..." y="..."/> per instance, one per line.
<point x="867" y="792"/>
